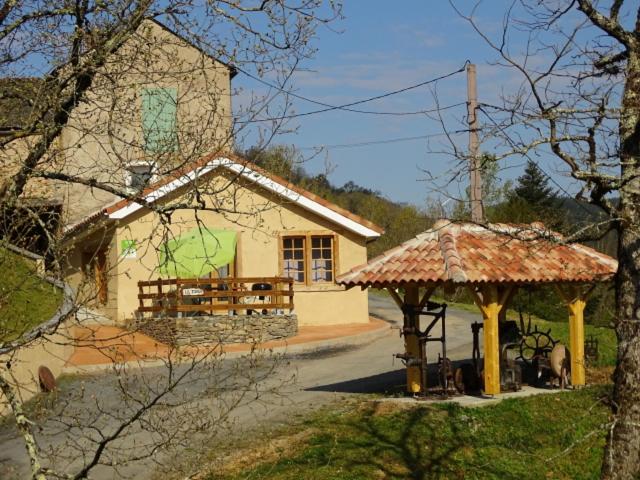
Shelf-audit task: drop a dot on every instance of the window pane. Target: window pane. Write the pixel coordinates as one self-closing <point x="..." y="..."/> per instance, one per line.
<point x="293" y="255"/>
<point x="321" y="259"/>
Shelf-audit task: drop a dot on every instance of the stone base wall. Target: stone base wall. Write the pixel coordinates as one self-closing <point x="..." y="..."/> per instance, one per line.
<point x="217" y="328"/>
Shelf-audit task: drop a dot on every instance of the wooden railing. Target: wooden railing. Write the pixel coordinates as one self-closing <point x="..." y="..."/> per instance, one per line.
<point x="186" y="296"/>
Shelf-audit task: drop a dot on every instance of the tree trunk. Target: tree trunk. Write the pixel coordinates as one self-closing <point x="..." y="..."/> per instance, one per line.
<point x="622" y="453"/>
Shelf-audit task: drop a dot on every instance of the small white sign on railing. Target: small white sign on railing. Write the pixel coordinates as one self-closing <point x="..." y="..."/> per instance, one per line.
<point x="192" y="292"/>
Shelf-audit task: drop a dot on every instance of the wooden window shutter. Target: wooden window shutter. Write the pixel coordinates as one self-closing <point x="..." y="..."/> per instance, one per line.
<point x="159" y="119"/>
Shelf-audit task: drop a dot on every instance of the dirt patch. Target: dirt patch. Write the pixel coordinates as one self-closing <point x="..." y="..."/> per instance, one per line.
<point x="271" y="451"/>
<point x="377" y="408"/>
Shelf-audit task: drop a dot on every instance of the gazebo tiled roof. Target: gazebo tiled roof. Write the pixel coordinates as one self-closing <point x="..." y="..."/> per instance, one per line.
<point x="467" y="253"/>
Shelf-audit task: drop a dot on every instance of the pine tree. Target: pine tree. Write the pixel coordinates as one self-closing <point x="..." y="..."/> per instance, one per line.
<point x="533" y="187"/>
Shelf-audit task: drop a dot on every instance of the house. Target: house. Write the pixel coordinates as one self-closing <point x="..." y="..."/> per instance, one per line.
<point x="157" y="104"/>
<point x="279" y="231"/>
<point x="157" y="124"/>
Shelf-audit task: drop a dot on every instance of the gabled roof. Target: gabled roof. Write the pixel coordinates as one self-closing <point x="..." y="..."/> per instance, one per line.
<point x="246" y="170"/>
<point x="233" y="71"/>
<point x="463" y="253"/>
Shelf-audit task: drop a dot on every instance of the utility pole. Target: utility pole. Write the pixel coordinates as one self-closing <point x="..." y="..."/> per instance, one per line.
<point x="477" y="209"/>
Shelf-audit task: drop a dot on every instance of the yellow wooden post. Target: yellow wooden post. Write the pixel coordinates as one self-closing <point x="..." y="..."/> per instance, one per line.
<point x="576" y="300"/>
<point x="411" y="345"/>
<point x="576" y="339"/>
<point x="490" y="314"/>
<point x="492" y="301"/>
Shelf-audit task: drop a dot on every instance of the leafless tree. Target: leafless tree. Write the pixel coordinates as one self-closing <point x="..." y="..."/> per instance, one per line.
<point x="578" y="101"/>
<point x="71" y="132"/>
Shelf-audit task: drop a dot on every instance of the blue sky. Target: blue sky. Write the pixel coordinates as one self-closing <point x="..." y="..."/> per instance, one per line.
<point x="383" y="46"/>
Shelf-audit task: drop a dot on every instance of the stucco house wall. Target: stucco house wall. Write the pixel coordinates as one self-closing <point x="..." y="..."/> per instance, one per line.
<point x="104" y="134"/>
<point x="257" y="253"/>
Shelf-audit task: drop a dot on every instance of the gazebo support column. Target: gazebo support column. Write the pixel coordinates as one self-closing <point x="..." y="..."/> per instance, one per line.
<point x="576" y="300"/>
<point x="491" y="300"/>
<point x="411" y="344"/>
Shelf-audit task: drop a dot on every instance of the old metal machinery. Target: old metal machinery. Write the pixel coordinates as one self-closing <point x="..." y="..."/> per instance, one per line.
<point x="591" y="349"/>
<point x="510" y="370"/>
<point x="560" y="361"/>
<point x="556" y="366"/>
<point x="534" y="343"/>
<point x="412" y="314"/>
<point x="469" y="377"/>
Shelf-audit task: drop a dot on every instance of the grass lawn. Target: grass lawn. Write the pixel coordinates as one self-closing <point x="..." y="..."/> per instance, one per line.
<point x="558" y="436"/>
<point x="555" y="436"/>
<point x="25" y="299"/>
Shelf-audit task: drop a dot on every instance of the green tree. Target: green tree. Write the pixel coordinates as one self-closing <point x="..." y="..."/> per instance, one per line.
<point x="531" y="200"/>
<point x="494" y="191"/>
<point x="282" y="160"/>
<point x="533" y="187"/>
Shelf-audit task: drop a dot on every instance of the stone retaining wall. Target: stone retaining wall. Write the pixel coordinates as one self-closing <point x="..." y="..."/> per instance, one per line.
<point x="218" y="328"/>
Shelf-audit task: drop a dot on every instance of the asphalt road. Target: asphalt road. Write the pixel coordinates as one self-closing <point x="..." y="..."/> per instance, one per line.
<point x="232" y="396"/>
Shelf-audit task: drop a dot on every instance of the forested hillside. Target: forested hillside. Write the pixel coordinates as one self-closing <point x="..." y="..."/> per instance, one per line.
<point x="400" y="221"/>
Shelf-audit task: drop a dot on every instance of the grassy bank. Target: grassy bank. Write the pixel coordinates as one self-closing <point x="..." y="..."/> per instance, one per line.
<point x="26" y="300"/>
<point x="559" y="436"/>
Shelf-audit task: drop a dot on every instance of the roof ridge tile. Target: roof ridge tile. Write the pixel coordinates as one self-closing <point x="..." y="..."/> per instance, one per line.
<point x="452" y="260"/>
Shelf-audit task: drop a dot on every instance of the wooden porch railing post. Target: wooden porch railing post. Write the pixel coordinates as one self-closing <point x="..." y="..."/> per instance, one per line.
<point x="179" y="299"/>
<point x="215" y="299"/>
<point x="290" y="295"/>
<point x="140" y="299"/>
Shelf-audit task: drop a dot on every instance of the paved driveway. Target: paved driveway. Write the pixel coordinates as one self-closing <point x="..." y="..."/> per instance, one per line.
<point x="320" y="378"/>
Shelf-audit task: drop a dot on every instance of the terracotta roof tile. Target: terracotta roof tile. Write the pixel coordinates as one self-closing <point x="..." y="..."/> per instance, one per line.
<point x="467" y="253"/>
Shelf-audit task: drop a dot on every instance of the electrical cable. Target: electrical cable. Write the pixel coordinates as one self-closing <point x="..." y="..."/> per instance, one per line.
<point x="345" y="107"/>
<point x="379" y="142"/>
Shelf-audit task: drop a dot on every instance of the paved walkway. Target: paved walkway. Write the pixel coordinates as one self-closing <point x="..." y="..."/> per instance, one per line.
<point x="102" y="346"/>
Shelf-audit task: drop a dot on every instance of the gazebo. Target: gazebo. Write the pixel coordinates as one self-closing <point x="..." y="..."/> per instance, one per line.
<point x="492" y="262"/>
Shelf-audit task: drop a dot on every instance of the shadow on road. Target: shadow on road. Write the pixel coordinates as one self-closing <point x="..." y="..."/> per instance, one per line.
<point x="387" y="382"/>
<point x="392" y="382"/>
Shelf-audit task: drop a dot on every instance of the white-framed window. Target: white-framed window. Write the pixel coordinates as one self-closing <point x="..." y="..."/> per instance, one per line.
<point x="140" y="175"/>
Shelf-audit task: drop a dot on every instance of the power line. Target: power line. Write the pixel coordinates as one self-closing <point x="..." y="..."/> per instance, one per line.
<point x="379" y="142"/>
<point x="345" y="107"/>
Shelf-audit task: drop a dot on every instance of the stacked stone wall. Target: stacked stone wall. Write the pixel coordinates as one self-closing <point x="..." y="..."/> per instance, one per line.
<point x="209" y="329"/>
